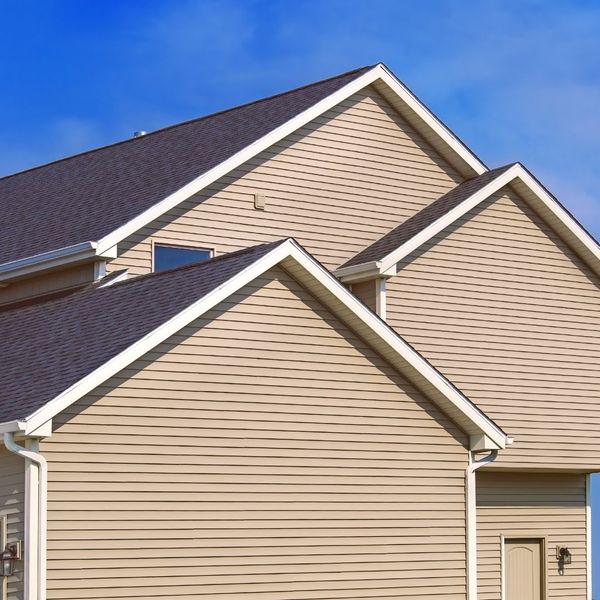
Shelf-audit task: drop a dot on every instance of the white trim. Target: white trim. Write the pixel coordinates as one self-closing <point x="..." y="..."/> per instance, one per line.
<point x="445" y="134"/>
<point x="47" y="260"/>
<point x="115" y="279"/>
<point x="502" y="569"/>
<point x="99" y="269"/>
<point x="358" y="273"/>
<point x="53" y="259"/>
<point x="588" y="537"/>
<point x="31" y="523"/>
<point x="533" y="193"/>
<point x="388" y="341"/>
<point x="37" y="519"/>
<point x="471" y="518"/>
<point x="377" y="73"/>
<point x="380" y="298"/>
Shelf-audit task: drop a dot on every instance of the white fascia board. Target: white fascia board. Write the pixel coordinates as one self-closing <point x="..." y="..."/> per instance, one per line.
<point x="52" y="259"/>
<point x="316" y="273"/>
<point x="12" y="427"/>
<point x="450" y="217"/>
<point x="379" y="72"/>
<point x="432" y="121"/>
<point x="409" y="355"/>
<point x="240" y="158"/>
<point x="155" y="337"/>
<point x="579" y="236"/>
<point x="356" y="273"/>
<point x="579" y="239"/>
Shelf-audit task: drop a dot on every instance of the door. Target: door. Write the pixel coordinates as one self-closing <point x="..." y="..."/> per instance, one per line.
<point x="523" y="569"/>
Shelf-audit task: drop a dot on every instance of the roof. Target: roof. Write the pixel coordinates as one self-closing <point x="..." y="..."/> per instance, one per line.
<point x="107" y="194"/>
<point x="56" y="351"/>
<point x="97" y="191"/>
<point x="50" y="345"/>
<point x="425" y="217"/>
<point x="381" y="257"/>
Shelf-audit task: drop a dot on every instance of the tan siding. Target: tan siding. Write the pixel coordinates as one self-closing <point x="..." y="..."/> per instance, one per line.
<point x="366" y="292"/>
<point x="336" y="185"/>
<point x="503" y="308"/>
<point x="47" y="283"/>
<point x="12" y="492"/>
<point x="532" y="505"/>
<point x="232" y="462"/>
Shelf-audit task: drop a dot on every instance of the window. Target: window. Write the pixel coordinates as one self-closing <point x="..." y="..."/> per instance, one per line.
<point x="168" y="257"/>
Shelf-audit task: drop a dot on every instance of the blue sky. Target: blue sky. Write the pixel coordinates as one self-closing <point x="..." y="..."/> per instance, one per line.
<point x="516" y="80"/>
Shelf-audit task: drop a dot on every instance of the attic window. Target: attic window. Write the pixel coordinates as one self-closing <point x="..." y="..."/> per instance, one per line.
<point x="168" y="257"/>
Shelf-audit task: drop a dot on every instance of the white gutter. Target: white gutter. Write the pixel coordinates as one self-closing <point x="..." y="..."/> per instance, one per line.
<point x="471" y="519"/>
<point x="39" y="582"/>
<point x="52" y="259"/>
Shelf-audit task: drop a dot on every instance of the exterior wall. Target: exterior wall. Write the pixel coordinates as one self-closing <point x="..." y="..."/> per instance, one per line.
<point x="47" y="283"/>
<point x="366" y="291"/>
<point x="336" y="185"/>
<point x="532" y="505"/>
<point x="263" y="452"/>
<point x="12" y="494"/>
<point x="505" y="310"/>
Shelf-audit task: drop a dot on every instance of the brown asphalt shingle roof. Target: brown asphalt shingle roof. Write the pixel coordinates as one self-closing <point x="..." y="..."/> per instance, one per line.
<point x="408" y="229"/>
<point x="87" y="196"/>
<point x="48" y="346"/>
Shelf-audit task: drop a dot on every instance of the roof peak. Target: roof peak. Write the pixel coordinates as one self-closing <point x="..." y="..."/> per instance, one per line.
<point x="147" y="134"/>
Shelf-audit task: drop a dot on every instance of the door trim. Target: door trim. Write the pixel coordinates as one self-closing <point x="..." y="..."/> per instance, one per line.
<point x="523" y="535"/>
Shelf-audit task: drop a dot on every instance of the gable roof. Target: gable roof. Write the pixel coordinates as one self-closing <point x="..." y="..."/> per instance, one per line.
<point x="381" y="257"/>
<point x="55" y="352"/>
<point x="106" y="194"/>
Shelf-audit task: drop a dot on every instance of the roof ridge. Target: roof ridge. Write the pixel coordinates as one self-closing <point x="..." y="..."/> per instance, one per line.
<point x="187" y="122"/>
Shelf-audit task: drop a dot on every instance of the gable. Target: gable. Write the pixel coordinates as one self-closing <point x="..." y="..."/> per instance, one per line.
<point x="512" y="316"/>
<point x="336" y="185"/>
<point x="263" y="433"/>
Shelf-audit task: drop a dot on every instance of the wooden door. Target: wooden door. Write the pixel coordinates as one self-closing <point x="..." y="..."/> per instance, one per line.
<point x="523" y="569"/>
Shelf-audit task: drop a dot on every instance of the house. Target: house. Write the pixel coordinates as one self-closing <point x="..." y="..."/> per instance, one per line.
<point x="306" y="348"/>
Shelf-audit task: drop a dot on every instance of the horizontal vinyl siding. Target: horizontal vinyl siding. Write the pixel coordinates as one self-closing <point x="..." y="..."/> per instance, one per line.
<point x="532" y="505"/>
<point x="366" y="292"/>
<point x="504" y="309"/>
<point x="47" y="283"/>
<point x="12" y="494"/>
<point x="336" y="185"/>
<point x="264" y="452"/>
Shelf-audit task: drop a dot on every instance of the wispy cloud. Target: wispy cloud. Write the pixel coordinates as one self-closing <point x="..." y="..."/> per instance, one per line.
<point x="516" y="79"/>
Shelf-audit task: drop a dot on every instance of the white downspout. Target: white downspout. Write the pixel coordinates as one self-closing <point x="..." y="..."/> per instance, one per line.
<point x="471" y="519"/>
<point x="42" y="488"/>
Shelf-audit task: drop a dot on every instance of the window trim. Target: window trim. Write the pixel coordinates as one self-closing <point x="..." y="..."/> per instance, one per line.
<point x="154" y="243"/>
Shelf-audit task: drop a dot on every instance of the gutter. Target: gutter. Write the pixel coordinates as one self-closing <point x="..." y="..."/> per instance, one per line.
<point x="52" y="259"/>
<point x="471" y="518"/>
<point x="39" y="521"/>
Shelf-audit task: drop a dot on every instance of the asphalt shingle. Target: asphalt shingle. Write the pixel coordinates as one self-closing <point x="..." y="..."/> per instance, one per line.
<point x="49" y="345"/>
<point x="408" y="229"/>
<point x="98" y="191"/>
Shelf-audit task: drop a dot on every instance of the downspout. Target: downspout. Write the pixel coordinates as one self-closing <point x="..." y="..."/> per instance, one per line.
<point x="42" y="469"/>
<point x="380" y="297"/>
<point x="471" y="519"/>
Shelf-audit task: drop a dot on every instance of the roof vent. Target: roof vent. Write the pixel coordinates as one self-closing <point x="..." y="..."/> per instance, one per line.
<point x="139" y="133"/>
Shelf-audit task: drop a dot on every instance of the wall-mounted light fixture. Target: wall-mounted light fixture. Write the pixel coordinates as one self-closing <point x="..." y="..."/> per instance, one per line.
<point x="8" y="558"/>
<point x="563" y="556"/>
